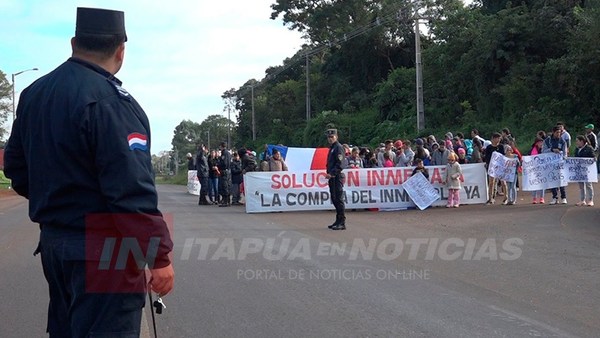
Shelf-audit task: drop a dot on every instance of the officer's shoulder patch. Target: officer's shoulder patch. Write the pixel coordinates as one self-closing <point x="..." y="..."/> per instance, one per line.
<point x="137" y="141"/>
<point x="120" y="90"/>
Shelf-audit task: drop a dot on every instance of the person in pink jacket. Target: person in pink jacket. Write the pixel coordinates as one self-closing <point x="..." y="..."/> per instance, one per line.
<point x="536" y="148"/>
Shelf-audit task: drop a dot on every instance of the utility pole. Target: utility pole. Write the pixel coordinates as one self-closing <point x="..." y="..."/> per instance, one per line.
<point x="412" y="14"/>
<point x="229" y="126"/>
<point x="307" y="89"/>
<point x="253" y="123"/>
<point x="208" y="140"/>
<point x="419" y="70"/>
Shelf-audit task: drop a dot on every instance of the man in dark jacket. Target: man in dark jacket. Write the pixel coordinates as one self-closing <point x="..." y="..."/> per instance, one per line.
<point x="190" y="159"/>
<point x="224" y="165"/>
<point x="202" y="173"/>
<point x="335" y="165"/>
<point x="236" y="178"/>
<point x="80" y="152"/>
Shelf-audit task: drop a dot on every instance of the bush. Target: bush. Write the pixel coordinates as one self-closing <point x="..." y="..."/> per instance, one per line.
<point x="180" y="179"/>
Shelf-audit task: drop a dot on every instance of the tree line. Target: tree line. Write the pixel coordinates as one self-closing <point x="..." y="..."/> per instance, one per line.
<point x="518" y="64"/>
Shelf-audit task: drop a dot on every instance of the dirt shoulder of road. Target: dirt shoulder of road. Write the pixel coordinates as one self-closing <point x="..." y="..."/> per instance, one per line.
<point x="9" y="198"/>
<point x="7" y="193"/>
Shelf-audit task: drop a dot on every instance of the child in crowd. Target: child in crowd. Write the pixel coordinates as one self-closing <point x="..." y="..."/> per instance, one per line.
<point x="586" y="190"/>
<point x="452" y="179"/>
<point x="420" y="168"/>
<point x="462" y="156"/>
<point x="536" y="149"/>
<point x="511" y="195"/>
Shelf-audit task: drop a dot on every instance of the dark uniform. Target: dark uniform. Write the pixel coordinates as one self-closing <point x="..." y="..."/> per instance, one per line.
<point x="202" y="173"/>
<point x="224" y="164"/>
<point x="79" y="149"/>
<point x="236" y="179"/>
<point x="335" y="165"/>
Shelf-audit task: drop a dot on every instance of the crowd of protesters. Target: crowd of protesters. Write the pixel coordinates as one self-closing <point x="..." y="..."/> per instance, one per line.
<point x="452" y="151"/>
<point x="221" y="172"/>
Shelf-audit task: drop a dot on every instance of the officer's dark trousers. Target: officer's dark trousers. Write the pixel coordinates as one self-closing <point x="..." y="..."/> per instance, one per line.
<point x="73" y="311"/>
<point x="336" y="190"/>
<point x="203" y="187"/>
<point x="225" y="186"/>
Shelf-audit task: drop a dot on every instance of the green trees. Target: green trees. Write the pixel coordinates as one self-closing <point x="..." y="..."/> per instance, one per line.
<point x="5" y="104"/>
<point x="518" y="64"/>
<point x="188" y="134"/>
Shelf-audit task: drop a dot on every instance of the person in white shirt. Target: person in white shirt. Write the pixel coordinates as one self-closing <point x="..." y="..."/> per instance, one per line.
<point x="564" y="134"/>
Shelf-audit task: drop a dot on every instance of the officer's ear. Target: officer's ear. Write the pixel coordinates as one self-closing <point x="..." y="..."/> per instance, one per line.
<point x="118" y="57"/>
<point x="120" y="53"/>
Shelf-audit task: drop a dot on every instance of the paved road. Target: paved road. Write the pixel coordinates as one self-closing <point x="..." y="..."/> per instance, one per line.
<point x="476" y="271"/>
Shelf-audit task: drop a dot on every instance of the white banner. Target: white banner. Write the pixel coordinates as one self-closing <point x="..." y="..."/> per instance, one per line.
<point x="193" y="184"/>
<point x="543" y="171"/>
<point x="421" y="191"/>
<point x="365" y="188"/>
<point x="502" y="167"/>
<point x="581" y="169"/>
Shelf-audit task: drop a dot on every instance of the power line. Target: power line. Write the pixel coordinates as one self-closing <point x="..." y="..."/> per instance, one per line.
<point x="341" y="40"/>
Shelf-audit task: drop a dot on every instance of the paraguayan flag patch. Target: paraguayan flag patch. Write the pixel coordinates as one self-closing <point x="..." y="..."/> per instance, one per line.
<point x="137" y="141"/>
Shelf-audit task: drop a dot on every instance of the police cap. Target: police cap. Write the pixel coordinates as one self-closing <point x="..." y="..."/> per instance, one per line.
<point x="99" y="22"/>
<point x="329" y="132"/>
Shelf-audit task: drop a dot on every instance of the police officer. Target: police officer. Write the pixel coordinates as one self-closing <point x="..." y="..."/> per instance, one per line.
<point x="202" y="173"/>
<point x="335" y="165"/>
<point x="79" y="151"/>
<point x="224" y="165"/>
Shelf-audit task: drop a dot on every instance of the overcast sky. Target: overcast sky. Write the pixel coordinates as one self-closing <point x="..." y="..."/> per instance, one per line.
<point x="181" y="55"/>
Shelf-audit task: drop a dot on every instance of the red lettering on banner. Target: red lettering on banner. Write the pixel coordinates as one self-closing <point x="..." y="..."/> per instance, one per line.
<point x="385" y="177"/>
<point x="407" y="173"/>
<point x="276" y="184"/>
<point x="322" y="180"/>
<point x="437" y="176"/>
<point x="395" y="176"/>
<point x="308" y="184"/>
<point x="308" y="180"/>
<point x="353" y="178"/>
<point x="374" y="177"/>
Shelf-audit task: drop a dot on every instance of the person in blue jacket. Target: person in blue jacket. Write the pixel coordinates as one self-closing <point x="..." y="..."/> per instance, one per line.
<point x="79" y="151"/>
